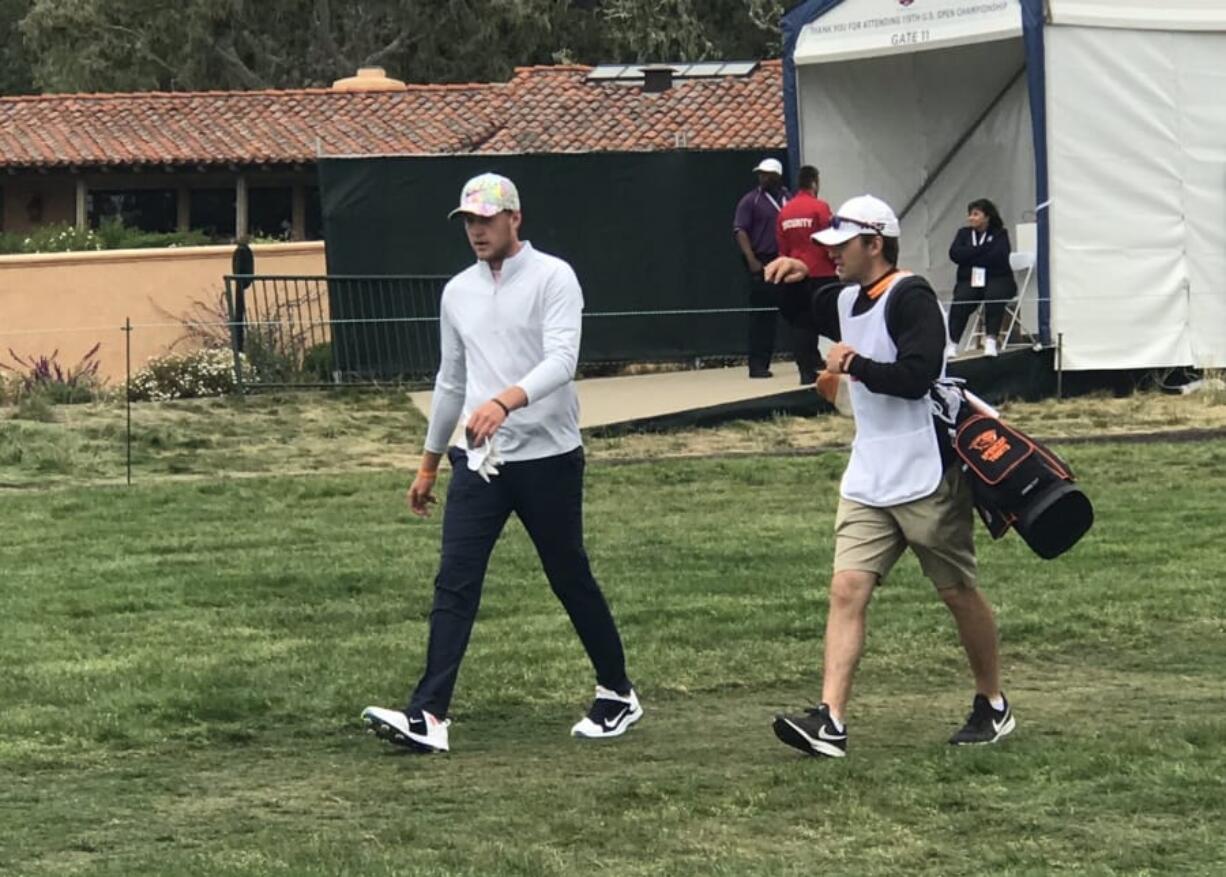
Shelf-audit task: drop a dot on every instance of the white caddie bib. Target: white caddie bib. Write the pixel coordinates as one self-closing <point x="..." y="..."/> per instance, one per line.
<point x="895" y="457"/>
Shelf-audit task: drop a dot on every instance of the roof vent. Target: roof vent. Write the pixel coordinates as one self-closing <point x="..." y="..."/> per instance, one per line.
<point x="657" y="78"/>
<point x="630" y="74"/>
<point x="369" y="79"/>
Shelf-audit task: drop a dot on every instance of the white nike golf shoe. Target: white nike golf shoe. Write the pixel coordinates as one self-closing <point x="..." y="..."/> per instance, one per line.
<point x="609" y="716"/>
<point x="417" y="730"/>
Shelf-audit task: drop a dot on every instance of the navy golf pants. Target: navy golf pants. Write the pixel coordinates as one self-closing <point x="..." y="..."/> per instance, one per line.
<point x="547" y="496"/>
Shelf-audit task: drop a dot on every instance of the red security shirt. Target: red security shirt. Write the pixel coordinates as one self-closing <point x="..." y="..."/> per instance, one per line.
<point x="800" y="218"/>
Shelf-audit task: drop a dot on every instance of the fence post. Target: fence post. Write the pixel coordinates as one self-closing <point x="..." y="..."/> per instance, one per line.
<point x="236" y="336"/>
<point x="127" y="335"/>
<point x="1059" y="365"/>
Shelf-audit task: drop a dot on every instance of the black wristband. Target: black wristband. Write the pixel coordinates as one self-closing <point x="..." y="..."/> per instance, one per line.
<point x="503" y="406"/>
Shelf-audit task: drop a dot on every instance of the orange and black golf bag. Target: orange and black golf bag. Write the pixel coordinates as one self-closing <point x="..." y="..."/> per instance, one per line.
<point x="1017" y="482"/>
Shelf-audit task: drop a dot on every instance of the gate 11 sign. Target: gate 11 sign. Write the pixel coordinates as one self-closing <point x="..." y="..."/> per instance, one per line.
<point x="864" y="28"/>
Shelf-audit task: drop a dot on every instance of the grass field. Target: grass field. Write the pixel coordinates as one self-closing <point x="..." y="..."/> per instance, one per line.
<point x="182" y="664"/>
<point x="329" y="433"/>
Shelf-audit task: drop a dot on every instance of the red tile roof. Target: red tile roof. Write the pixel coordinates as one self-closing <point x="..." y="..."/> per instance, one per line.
<point x="541" y="109"/>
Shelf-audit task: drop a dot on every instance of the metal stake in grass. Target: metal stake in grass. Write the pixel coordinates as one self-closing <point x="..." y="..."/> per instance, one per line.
<point x="127" y="334"/>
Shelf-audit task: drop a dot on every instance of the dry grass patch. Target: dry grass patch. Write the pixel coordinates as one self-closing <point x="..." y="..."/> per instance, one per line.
<point x="353" y="431"/>
<point x="1088" y="416"/>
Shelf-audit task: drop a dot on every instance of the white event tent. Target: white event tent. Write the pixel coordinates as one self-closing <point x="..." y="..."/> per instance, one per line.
<point x="1098" y="125"/>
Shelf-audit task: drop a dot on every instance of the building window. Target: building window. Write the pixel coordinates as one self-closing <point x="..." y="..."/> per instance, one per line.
<point x="212" y="211"/>
<point x="145" y="209"/>
<point x="270" y="212"/>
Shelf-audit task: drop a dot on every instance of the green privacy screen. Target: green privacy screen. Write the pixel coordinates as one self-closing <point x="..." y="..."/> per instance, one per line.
<point x="644" y="232"/>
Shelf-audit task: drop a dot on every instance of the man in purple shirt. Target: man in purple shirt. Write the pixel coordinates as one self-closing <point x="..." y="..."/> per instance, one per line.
<point x="754" y="229"/>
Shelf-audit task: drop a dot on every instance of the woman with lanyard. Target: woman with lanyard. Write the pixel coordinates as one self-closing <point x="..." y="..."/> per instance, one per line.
<point x="981" y="252"/>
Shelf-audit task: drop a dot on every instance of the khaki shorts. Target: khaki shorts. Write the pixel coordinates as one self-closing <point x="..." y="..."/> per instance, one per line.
<point x="939" y="528"/>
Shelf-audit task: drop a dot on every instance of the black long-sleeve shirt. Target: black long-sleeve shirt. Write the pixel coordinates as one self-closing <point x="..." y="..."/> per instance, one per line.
<point x="992" y="254"/>
<point x="914" y="322"/>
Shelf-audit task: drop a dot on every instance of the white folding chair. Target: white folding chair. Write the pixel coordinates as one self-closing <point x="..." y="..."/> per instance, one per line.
<point x="1019" y="261"/>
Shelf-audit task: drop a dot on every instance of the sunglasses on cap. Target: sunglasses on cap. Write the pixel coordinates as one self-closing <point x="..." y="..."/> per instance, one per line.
<point x="837" y="222"/>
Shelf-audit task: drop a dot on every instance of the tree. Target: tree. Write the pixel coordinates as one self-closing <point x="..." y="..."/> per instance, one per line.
<point x="124" y="45"/>
<point x="15" y="73"/>
<point x="676" y="30"/>
<point x="137" y="45"/>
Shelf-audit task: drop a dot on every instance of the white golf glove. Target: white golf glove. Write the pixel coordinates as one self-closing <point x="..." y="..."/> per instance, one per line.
<point x="485" y="459"/>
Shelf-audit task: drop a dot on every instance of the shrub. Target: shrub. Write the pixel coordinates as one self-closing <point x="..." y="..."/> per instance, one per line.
<point x="279" y="348"/>
<point x="45" y="377"/>
<point x="111" y="234"/>
<point x="274" y="353"/>
<point x="117" y="236"/>
<point x="34" y="406"/>
<point x="50" y="239"/>
<point x="205" y="324"/>
<point x="205" y="372"/>
<point x="317" y="362"/>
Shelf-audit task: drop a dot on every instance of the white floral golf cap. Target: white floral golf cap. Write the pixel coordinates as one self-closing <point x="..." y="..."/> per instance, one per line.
<point x="487" y="195"/>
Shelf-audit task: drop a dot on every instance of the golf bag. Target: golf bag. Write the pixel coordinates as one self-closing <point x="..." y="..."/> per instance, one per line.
<point x="1017" y="482"/>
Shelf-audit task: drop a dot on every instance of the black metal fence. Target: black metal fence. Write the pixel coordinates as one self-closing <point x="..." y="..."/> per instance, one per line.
<point x="361" y="329"/>
<point x="298" y="329"/>
<point x="302" y="330"/>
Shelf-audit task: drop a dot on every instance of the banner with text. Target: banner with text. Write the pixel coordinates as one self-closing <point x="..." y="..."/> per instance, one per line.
<point x="866" y="28"/>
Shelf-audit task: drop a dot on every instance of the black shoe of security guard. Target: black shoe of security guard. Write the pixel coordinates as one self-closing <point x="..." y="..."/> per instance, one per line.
<point x="813" y="733"/>
<point x="985" y="724"/>
<point x="761" y="373"/>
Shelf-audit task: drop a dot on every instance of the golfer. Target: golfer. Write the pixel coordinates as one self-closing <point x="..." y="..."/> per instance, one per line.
<point x="510" y="327"/>
<point x="901" y="488"/>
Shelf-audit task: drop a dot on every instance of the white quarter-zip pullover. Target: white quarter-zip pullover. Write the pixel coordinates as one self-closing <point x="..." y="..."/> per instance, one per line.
<point x="522" y="328"/>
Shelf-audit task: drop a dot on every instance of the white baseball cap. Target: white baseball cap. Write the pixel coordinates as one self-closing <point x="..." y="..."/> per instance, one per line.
<point x="487" y="195"/>
<point x="863" y="214"/>
<point x="770" y="166"/>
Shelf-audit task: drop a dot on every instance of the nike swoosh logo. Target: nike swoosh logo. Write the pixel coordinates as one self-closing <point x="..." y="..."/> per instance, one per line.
<point x="610" y="724"/>
<point x="996" y="726"/>
<point x="413" y="722"/>
<point x="833" y="738"/>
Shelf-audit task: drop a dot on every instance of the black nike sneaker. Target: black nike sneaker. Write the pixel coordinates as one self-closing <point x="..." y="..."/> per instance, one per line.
<point x="813" y="733"/>
<point x="985" y="724"/>
<point x="609" y="715"/>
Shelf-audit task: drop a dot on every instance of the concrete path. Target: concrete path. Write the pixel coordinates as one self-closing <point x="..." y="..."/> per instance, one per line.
<point x="607" y="401"/>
